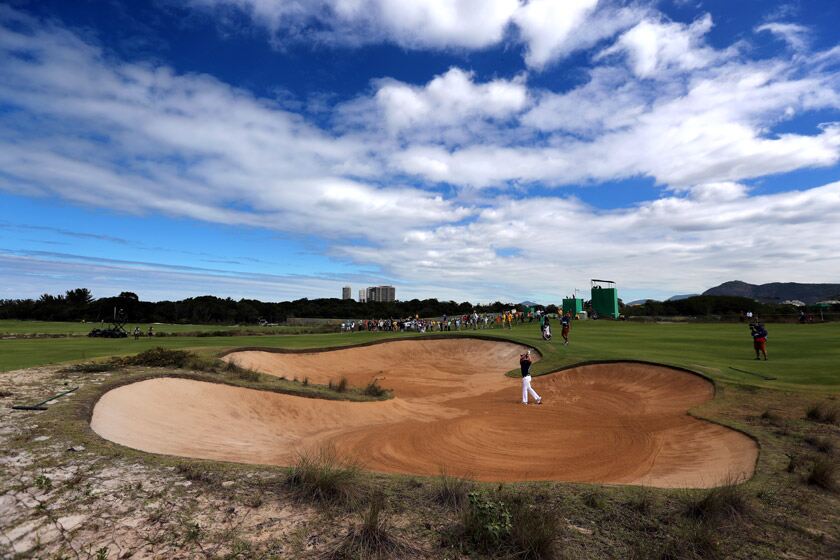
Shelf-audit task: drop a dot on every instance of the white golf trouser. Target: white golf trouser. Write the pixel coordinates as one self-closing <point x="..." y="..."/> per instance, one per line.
<point x="526" y="388"/>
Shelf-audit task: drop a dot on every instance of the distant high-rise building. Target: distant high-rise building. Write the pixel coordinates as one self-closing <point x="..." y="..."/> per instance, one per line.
<point x="381" y="293"/>
<point x="346" y="293"/>
<point x="362" y="295"/>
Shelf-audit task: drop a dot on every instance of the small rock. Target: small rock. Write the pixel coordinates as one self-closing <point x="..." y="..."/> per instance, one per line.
<point x="71" y="521"/>
<point x="76" y="448"/>
<point x="227" y="484"/>
<point x="41" y="438"/>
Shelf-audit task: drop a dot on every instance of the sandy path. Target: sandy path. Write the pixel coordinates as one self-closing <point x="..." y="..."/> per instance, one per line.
<point x="453" y="409"/>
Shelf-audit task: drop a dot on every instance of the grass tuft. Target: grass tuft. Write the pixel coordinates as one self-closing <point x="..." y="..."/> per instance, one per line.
<point x="825" y="412"/>
<point x="824" y="474"/>
<point x="451" y="491"/>
<point x="727" y="502"/>
<point x="193" y="472"/>
<point x="325" y="477"/>
<point x="821" y="444"/>
<point x="372" y="538"/>
<point x="642" y="500"/>
<point x="691" y="540"/>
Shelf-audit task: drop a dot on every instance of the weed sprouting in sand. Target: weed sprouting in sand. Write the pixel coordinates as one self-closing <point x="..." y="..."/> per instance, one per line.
<point x="323" y="476"/>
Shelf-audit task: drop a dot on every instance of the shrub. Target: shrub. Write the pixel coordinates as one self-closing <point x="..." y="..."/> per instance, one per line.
<point x="43" y="482"/>
<point x="373" y="389"/>
<point x="90" y="367"/>
<point x="772" y="417"/>
<point x="515" y="526"/>
<point x="487" y="521"/>
<point x="325" y="477"/>
<point x="824" y="474"/>
<point x="451" y="491"/>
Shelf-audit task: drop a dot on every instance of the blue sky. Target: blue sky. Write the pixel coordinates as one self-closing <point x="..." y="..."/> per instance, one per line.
<point x="465" y="149"/>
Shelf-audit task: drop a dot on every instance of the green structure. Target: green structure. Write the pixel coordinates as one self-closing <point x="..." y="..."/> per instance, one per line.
<point x="572" y="305"/>
<point x="605" y="298"/>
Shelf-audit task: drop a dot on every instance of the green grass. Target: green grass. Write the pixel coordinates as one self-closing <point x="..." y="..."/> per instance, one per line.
<point x="802" y="357"/>
<point x="10" y="326"/>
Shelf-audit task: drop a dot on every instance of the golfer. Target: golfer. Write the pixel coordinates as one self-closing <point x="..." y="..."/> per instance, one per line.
<point x="759" y="334"/>
<point x="525" y="364"/>
<point x="566" y="324"/>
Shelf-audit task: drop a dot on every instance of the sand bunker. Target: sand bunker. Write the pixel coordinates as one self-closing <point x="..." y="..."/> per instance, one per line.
<point x="453" y="409"/>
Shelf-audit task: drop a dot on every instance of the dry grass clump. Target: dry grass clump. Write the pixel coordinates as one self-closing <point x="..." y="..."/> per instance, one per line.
<point x="825" y="474"/>
<point x="325" y="477"/>
<point x="828" y="413"/>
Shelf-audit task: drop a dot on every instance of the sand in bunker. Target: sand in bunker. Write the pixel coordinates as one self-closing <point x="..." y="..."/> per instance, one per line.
<point x="453" y="409"/>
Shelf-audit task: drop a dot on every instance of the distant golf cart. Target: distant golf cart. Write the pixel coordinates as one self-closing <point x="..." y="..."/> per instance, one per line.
<point x="116" y="329"/>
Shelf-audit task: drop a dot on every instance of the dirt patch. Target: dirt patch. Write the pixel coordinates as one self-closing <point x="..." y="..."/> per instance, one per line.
<point x="453" y="409"/>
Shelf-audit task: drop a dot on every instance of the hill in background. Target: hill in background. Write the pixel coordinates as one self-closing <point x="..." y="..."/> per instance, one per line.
<point x="777" y="292"/>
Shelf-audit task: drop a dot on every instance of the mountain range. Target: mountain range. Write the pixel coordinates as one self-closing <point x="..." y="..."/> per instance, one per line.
<point x="777" y="292"/>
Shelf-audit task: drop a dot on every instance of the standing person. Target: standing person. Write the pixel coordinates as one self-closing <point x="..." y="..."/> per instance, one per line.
<point x="759" y="334"/>
<point x="136" y="333"/>
<point x="151" y="331"/>
<point x="525" y="362"/>
<point x="566" y="326"/>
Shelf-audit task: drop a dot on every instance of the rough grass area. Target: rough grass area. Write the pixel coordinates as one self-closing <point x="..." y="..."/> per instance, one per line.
<point x="66" y="493"/>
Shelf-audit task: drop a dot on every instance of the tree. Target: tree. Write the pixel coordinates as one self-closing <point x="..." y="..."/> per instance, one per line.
<point x="78" y="297"/>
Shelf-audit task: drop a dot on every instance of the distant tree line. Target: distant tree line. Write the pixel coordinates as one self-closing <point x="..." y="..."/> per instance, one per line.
<point x="79" y="304"/>
<point x="703" y="306"/>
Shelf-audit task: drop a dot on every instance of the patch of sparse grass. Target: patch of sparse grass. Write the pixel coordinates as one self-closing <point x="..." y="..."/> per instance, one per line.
<point x="642" y="500"/>
<point x="90" y="367"/>
<point x="248" y="375"/>
<point x="726" y="502"/>
<point x="595" y="498"/>
<point x="340" y="387"/>
<point x="193" y="472"/>
<point x="487" y="521"/>
<point x="192" y="532"/>
<point x="688" y="540"/>
<point x="824" y="474"/>
<point x="772" y="418"/>
<point x="325" y="477"/>
<point x="451" y="491"/>
<point x="794" y="462"/>
<point x="828" y="413"/>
